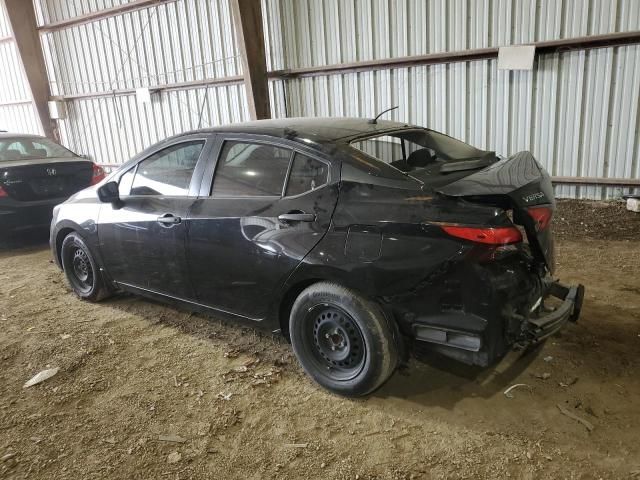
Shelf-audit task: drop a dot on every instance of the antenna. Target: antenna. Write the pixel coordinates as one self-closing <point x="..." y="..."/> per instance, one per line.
<point x="374" y="121"/>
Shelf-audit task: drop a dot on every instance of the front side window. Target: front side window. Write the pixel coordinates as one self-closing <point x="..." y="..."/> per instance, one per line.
<point x="124" y="184"/>
<point x="250" y="170"/>
<point x="167" y="172"/>
<point x="306" y="175"/>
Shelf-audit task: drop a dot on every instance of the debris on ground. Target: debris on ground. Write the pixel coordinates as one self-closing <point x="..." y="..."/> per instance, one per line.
<point x="224" y="396"/>
<point x="588" y="425"/>
<point x="568" y="383"/>
<point x="8" y="456"/>
<point x="633" y="204"/>
<point x="507" y="392"/>
<point x="548" y="358"/>
<point x="542" y="376"/>
<point x="174" y="457"/>
<point x="41" y="377"/>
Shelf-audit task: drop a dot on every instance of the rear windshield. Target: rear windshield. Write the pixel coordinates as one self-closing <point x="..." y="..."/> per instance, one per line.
<point x="410" y="150"/>
<point x="31" y="148"/>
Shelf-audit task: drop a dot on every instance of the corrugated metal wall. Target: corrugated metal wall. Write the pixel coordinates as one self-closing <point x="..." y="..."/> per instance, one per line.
<point x="17" y="112"/>
<point x="577" y="111"/>
<point x="165" y="44"/>
<point x="50" y="11"/>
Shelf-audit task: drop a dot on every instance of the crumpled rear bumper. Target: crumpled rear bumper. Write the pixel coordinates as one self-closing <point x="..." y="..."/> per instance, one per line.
<point x="543" y="326"/>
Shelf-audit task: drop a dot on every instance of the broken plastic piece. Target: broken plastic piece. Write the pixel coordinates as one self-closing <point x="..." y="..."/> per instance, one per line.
<point x="41" y="377"/>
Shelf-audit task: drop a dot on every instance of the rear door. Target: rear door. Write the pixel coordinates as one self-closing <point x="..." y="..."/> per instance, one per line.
<point x="143" y="242"/>
<point x="268" y="205"/>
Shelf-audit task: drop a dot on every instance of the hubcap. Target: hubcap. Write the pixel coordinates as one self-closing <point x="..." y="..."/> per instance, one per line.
<point x="339" y="345"/>
<point x="82" y="269"/>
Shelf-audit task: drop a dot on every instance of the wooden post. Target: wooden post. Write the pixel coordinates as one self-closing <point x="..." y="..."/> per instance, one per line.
<point x="22" y="18"/>
<point x="247" y="19"/>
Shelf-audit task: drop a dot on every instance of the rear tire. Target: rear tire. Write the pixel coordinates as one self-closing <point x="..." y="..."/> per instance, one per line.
<point x="342" y="340"/>
<point x="81" y="270"/>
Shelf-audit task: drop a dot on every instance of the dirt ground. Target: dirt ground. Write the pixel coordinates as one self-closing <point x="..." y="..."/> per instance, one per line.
<point x="234" y="404"/>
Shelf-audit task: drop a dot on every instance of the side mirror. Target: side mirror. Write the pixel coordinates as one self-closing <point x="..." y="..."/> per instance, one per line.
<point x="109" y="193"/>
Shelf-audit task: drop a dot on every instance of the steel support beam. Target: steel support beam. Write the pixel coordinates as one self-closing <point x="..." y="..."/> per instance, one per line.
<point x="247" y="20"/>
<point x="100" y="14"/>
<point x="602" y="181"/>
<point x="542" y="48"/>
<point x="22" y="18"/>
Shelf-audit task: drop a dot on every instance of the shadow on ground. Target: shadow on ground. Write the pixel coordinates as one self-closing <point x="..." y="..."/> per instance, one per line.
<point x="428" y="380"/>
<point x="36" y="238"/>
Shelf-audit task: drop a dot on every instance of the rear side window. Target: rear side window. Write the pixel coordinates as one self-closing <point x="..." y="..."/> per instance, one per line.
<point x="306" y="175"/>
<point x="250" y="170"/>
<point x="167" y="172"/>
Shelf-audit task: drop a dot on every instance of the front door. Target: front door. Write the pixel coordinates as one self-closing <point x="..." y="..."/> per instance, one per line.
<point x="143" y="241"/>
<point x="269" y="205"/>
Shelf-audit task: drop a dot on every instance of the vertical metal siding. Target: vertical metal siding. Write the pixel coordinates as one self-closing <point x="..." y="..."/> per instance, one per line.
<point x="5" y="27"/>
<point x="113" y="129"/>
<point x="163" y="44"/>
<point x="576" y="111"/>
<point x="48" y="11"/>
<point x="17" y="113"/>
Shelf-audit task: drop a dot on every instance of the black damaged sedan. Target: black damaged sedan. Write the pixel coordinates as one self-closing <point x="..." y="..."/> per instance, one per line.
<point x="358" y="240"/>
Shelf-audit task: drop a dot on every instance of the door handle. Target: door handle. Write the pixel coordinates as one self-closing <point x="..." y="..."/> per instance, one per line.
<point x="169" y="219"/>
<point x="297" y="216"/>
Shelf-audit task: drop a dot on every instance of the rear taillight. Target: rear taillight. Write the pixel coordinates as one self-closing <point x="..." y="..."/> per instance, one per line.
<point x="98" y="174"/>
<point x="3" y="192"/>
<point x="486" y="235"/>
<point x="541" y="217"/>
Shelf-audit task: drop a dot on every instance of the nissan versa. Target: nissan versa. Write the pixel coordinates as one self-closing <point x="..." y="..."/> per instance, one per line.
<point x="358" y="239"/>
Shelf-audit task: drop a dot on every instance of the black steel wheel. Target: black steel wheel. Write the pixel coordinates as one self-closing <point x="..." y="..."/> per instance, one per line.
<point x="81" y="269"/>
<point x="343" y="340"/>
<point x="339" y="345"/>
<point x="82" y="273"/>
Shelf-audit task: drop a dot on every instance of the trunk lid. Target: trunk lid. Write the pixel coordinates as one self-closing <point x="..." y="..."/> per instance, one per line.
<point x="518" y="183"/>
<point x="33" y="180"/>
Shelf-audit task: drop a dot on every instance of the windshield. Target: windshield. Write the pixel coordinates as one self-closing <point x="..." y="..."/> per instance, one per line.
<point x="31" y="148"/>
<point x="410" y="150"/>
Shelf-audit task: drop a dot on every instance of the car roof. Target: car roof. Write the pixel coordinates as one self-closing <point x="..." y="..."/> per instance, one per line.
<point x="318" y="129"/>
<point x="19" y="135"/>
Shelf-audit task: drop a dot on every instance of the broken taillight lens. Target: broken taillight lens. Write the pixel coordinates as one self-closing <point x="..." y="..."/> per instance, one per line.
<point x="98" y="174"/>
<point x="486" y="235"/>
<point x="541" y="217"/>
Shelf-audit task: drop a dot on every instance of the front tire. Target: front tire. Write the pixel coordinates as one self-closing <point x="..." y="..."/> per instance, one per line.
<point x="81" y="269"/>
<point x="342" y="339"/>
